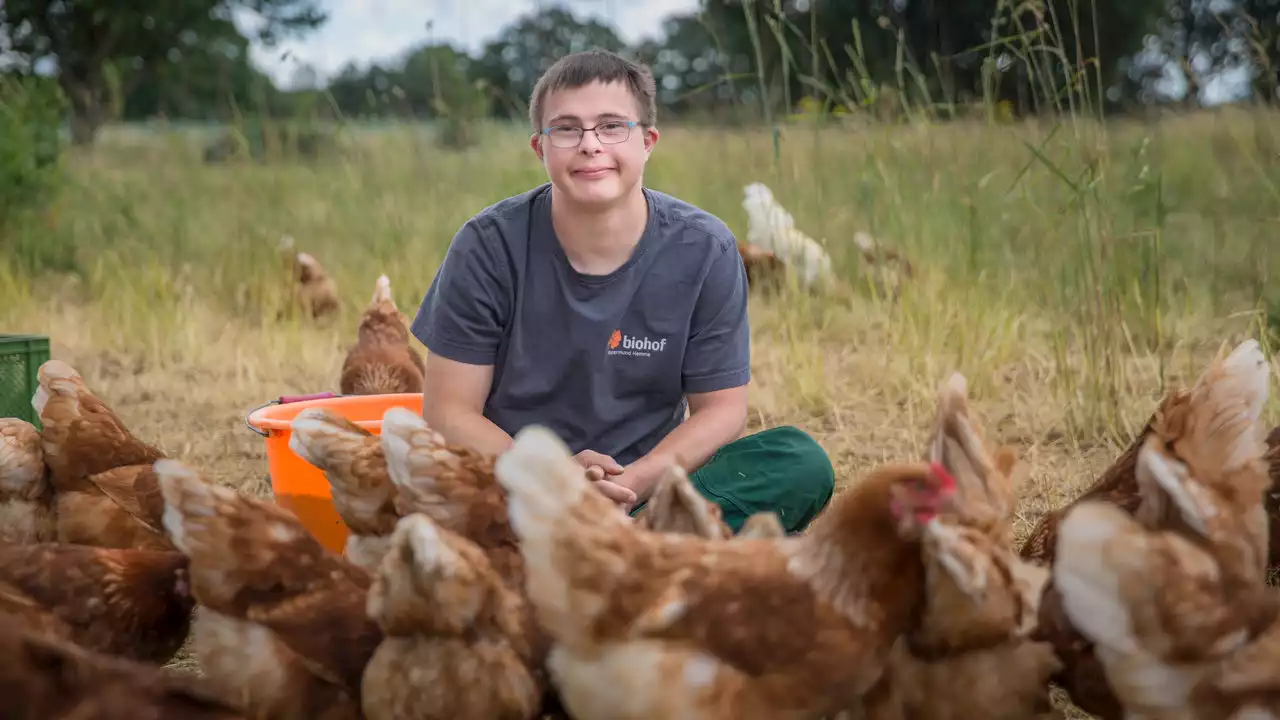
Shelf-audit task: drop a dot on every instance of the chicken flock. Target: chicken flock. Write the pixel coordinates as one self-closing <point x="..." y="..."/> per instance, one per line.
<point x="774" y="251"/>
<point x="507" y="588"/>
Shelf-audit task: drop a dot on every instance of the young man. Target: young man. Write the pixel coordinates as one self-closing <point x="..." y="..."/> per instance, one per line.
<point x="602" y="309"/>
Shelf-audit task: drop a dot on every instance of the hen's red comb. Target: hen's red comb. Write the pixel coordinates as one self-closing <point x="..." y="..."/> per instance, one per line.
<point x="941" y="473"/>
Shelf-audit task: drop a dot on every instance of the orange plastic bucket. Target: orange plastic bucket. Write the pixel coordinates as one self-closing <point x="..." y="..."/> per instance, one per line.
<point x="299" y="486"/>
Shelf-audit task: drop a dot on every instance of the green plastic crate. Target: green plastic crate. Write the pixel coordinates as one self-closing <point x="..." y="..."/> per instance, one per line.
<point x="20" y="357"/>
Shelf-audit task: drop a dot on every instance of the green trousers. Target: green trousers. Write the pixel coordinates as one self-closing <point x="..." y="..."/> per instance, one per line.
<point x="781" y="470"/>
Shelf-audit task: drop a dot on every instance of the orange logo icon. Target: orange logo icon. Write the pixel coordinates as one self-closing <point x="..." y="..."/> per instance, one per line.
<point x="614" y="339"/>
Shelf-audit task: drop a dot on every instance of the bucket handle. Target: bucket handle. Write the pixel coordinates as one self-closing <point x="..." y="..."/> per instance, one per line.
<point x="284" y="400"/>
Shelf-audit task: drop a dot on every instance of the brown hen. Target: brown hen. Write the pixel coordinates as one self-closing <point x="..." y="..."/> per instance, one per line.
<point x="454" y="486"/>
<point x="763" y="267"/>
<point x="972" y="656"/>
<point x="449" y="617"/>
<point x="281" y="623"/>
<point x="105" y="488"/>
<point x="43" y="678"/>
<point x="132" y="603"/>
<point x="1165" y="607"/>
<point x="972" y="645"/>
<point x="382" y="361"/>
<point x="652" y="625"/>
<point x="1219" y="416"/>
<point x="352" y="460"/>
<point x="26" y="496"/>
<point x="312" y="290"/>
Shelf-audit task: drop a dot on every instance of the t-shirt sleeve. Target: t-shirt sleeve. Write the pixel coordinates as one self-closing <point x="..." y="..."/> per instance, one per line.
<point x="466" y="309"/>
<point x="718" y="353"/>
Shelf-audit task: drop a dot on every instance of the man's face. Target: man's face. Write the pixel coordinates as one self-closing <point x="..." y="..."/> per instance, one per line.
<point x="594" y="172"/>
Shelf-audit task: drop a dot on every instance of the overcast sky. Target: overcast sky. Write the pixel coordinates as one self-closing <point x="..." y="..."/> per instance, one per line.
<point x="367" y="31"/>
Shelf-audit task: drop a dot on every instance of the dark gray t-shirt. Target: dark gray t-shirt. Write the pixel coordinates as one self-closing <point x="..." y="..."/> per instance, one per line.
<point x="602" y="360"/>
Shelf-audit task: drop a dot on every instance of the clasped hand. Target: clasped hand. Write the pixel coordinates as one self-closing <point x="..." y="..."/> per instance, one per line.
<point x="599" y="467"/>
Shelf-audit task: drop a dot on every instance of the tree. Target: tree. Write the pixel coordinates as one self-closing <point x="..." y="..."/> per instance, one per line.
<point x="1206" y="40"/>
<point x="87" y="38"/>
<point x="201" y="80"/>
<point x="691" y="73"/>
<point x="512" y="63"/>
<point x="429" y="81"/>
<point x="935" y="50"/>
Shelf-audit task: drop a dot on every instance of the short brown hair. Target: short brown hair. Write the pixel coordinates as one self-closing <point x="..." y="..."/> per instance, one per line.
<point x="583" y="68"/>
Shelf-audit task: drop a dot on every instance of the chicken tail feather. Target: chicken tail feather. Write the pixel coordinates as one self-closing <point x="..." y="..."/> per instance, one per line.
<point x="382" y="291"/>
<point x="762" y="525"/>
<point x="415" y="548"/>
<point x="186" y="496"/>
<point x="407" y="444"/>
<point x="347" y="453"/>
<point x="675" y="506"/>
<point x="987" y="481"/>
<point x="1249" y="374"/>
<point x="956" y="442"/>
<point x="39" y="400"/>
<point x="419" y="534"/>
<point x="1218" y="424"/>
<point x="1155" y="470"/>
<point x="319" y="435"/>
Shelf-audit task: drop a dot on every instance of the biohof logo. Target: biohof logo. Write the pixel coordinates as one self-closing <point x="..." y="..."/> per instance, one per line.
<point x="620" y="344"/>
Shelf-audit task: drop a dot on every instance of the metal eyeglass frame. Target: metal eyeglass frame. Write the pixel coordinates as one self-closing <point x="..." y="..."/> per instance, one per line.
<point x="582" y="132"/>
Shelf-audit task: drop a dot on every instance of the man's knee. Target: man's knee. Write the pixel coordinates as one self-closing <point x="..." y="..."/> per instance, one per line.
<point x="812" y="473"/>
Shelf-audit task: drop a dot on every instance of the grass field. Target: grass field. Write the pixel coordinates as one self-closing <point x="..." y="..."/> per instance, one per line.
<point x="1070" y="272"/>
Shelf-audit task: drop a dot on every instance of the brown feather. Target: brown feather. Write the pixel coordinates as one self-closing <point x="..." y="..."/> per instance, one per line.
<point x="27" y="513"/>
<point x="253" y="560"/>
<point x="82" y="436"/>
<point x="136" y="490"/>
<point x="130" y="603"/>
<point x="444" y="608"/>
<point x="456" y="488"/>
<point x="87" y="449"/>
<point x="43" y="678"/>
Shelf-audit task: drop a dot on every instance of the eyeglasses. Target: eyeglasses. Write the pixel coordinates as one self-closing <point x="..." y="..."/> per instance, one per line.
<point x="608" y="133"/>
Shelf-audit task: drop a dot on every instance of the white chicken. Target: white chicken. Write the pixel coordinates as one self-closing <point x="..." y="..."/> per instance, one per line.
<point x="771" y="227"/>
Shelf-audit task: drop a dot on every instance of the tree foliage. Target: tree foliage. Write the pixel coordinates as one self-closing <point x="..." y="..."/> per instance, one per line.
<point x="731" y="59"/>
<point x="89" y="40"/>
<point x="512" y="62"/>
